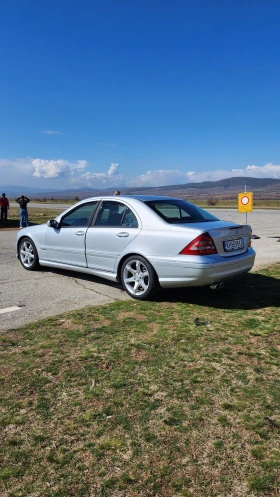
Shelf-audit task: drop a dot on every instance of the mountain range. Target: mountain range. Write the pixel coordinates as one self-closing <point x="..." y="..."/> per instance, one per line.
<point x="263" y="188"/>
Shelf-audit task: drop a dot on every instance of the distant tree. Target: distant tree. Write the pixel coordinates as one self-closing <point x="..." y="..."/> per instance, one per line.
<point x="77" y="199"/>
<point x="212" y="201"/>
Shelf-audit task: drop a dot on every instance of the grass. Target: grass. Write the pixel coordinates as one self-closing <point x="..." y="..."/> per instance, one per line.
<point x="176" y="397"/>
<point x="35" y="216"/>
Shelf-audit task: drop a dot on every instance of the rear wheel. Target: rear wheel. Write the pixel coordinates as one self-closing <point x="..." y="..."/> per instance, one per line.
<point x="138" y="277"/>
<point x="28" y="255"/>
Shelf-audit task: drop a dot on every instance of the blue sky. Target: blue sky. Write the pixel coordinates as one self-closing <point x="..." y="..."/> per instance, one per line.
<point x="136" y="93"/>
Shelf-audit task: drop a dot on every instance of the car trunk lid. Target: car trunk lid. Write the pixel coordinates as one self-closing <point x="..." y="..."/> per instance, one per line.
<point x="231" y="240"/>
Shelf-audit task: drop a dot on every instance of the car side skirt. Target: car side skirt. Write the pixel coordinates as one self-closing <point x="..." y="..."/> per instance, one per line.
<point x="80" y="269"/>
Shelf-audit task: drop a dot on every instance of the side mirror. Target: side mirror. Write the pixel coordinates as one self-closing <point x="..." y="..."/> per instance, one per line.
<point x="53" y="224"/>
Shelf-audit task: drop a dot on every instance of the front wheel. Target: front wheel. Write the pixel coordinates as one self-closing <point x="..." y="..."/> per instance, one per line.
<point x="28" y="255"/>
<point x="138" y="277"/>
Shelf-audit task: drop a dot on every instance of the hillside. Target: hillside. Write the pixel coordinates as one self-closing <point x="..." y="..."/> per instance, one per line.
<point x="265" y="188"/>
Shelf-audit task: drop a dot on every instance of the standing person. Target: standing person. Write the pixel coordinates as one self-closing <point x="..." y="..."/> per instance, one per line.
<point x="4" y="202"/>
<point x="23" y="201"/>
<point x="117" y="192"/>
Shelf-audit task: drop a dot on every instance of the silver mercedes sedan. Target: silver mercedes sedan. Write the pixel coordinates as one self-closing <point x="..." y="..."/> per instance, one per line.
<point x="141" y="241"/>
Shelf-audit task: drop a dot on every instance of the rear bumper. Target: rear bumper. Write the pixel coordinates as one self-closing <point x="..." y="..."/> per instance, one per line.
<point x="172" y="274"/>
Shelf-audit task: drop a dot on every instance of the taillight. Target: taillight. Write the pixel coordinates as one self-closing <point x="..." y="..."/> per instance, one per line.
<point x="250" y="239"/>
<point x="201" y="245"/>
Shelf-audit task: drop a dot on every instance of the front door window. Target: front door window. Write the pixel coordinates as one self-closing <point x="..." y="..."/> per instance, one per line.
<point x="80" y="217"/>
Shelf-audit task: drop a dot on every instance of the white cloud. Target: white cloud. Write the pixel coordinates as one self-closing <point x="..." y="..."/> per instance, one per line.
<point x="108" y="178"/>
<point x="63" y="173"/>
<point x="55" y="168"/>
<point x="161" y="177"/>
<point x="32" y="172"/>
<point x="112" y="169"/>
<point x="268" y="171"/>
<point x="15" y="171"/>
<point x="50" y="132"/>
<point x="164" y="177"/>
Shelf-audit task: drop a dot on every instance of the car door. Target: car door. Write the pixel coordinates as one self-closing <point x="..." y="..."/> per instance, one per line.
<point x="66" y="245"/>
<point x="115" y="226"/>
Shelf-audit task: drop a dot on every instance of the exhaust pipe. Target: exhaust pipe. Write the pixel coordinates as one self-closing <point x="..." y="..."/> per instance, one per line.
<point x="217" y="286"/>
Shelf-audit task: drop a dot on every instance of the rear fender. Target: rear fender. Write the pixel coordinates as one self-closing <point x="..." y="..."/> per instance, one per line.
<point x="121" y="261"/>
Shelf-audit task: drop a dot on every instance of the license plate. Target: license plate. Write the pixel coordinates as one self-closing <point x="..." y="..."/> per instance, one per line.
<point x="231" y="245"/>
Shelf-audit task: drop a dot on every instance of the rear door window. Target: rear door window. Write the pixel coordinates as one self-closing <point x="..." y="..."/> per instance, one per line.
<point x="115" y="214"/>
<point x="110" y="214"/>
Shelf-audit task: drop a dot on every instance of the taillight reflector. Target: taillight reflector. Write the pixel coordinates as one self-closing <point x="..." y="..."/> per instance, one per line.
<point x="201" y="245"/>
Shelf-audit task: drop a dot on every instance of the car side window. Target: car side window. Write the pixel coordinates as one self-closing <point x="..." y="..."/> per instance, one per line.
<point x="79" y="217"/>
<point x="129" y="219"/>
<point x="169" y="211"/>
<point x="110" y="214"/>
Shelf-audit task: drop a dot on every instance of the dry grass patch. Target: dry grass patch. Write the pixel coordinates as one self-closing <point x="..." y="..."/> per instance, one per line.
<point x="131" y="315"/>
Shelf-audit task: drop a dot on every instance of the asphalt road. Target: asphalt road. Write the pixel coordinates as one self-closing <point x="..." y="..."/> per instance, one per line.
<point x="36" y="295"/>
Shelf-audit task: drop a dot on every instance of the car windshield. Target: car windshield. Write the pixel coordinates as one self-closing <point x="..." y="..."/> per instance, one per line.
<point x="176" y="211"/>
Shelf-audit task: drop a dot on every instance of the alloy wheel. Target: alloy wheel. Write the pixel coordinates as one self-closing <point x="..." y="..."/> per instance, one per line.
<point x="27" y="254"/>
<point x="136" y="277"/>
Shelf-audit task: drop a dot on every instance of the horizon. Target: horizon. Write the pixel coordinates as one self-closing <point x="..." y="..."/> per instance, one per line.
<point x="138" y="95"/>
<point x="12" y="189"/>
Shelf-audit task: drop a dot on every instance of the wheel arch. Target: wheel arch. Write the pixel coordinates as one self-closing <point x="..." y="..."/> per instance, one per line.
<point x="121" y="261"/>
<point x="18" y="242"/>
<point x="21" y="238"/>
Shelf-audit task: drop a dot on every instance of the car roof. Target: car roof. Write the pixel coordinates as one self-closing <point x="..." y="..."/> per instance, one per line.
<point x="143" y="198"/>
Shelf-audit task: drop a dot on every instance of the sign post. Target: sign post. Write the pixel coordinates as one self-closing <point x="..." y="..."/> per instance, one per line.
<point x="245" y="202"/>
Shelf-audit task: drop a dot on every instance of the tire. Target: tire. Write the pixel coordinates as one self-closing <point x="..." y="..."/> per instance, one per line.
<point x="28" y="254"/>
<point x="138" y="278"/>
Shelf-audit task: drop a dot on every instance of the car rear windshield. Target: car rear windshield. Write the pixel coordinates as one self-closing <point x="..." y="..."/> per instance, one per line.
<point x="178" y="211"/>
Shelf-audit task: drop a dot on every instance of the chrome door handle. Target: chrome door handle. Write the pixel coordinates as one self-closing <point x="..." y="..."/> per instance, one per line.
<point x="123" y="234"/>
<point x="79" y="233"/>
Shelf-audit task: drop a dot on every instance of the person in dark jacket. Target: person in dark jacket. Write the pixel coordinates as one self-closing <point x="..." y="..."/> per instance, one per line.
<point x="4" y="203"/>
<point x="23" y="201"/>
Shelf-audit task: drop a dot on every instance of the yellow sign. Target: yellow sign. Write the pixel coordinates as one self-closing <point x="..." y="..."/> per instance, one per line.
<point x="245" y="202"/>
